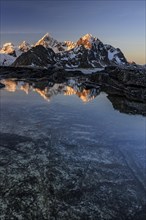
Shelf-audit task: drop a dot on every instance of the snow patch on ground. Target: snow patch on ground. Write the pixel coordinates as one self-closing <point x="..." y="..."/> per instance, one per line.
<point x="111" y="54"/>
<point x="118" y="60"/>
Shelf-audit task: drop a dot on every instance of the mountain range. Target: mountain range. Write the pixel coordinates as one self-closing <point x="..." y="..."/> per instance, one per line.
<point x="87" y="52"/>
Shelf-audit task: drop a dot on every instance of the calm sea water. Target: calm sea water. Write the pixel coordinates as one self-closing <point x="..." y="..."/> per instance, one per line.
<point x="68" y="154"/>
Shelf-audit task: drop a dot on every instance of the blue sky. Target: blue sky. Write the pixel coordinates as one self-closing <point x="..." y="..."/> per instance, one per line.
<point x="119" y="23"/>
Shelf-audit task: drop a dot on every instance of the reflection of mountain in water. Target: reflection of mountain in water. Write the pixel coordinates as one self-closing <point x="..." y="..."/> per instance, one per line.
<point x="85" y="95"/>
<point x="83" y="91"/>
<point x="10" y="85"/>
<point x="25" y="87"/>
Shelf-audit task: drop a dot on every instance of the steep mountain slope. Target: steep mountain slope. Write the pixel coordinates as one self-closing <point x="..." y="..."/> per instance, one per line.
<point x="36" y="56"/>
<point x="90" y="52"/>
<point x="49" y="42"/>
<point x="24" y="46"/>
<point x="115" y="55"/>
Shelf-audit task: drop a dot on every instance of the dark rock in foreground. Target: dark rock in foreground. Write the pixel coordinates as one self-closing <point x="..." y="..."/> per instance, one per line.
<point x="127" y="82"/>
<point x="124" y="105"/>
<point x="2" y="85"/>
<point x="40" y="181"/>
<point x="52" y="73"/>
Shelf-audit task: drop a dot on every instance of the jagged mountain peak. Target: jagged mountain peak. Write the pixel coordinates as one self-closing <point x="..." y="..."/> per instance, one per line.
<point x="87" y="36"/>
<point x="69" y="44"/>
<point x="87" y="41"/>
<point x="47" y="41"/>
<point x="23" y="43"/>
<point x="24" y="46"/>
<point x="8" y="44"/>
<point x="8" y="48"/>
<point x="46" y="36"/>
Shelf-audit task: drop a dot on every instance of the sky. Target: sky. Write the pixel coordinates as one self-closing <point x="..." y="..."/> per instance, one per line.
<point x="120" y="23"/>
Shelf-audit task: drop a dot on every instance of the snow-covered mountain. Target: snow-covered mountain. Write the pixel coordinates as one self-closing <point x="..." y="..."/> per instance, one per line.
<point x="8" y="48"/>
<point x="87" y="52"/>
<point x="90" y="52"/>
<point x="49" y="42"/>
<point x="115" y="55"/>
<point x="68" y="45"/>
<point x="87" y="41"/>
<point x="24" y="46"/>
<point x="9" y="52"/>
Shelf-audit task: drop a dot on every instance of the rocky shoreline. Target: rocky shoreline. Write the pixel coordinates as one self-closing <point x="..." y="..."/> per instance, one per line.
<point x="129" y="83"/>
<point x="126" y="87"/>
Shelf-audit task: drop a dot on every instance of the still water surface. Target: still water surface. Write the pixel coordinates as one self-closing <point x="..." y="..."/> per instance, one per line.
<point x="66" y="153"/>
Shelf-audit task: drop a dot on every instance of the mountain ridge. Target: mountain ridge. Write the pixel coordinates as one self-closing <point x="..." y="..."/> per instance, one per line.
<point x="87" y="52"/>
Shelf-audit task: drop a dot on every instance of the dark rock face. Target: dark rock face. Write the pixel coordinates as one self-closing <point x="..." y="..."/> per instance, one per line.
<point x="115" y="58"/>
<point x="37" y="56"/>
<point x="95" y="56"/>
<point x="128" y="77"/>
<point x="127" y="82"/>
<point x="131" y="83"/>
<point x="126" y="106"/>
<point x="36" y="74"/>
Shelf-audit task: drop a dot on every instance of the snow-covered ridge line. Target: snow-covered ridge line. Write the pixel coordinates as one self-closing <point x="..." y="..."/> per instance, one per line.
<point x="87" y="52"/>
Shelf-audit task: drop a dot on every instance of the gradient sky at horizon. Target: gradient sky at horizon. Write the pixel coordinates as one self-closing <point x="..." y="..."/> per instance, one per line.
<point x="120" y="23"/>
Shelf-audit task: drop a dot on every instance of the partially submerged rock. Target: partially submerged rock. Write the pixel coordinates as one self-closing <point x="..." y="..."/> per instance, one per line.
<point x="126" y="106"/>
<point x="130" y="83"/>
